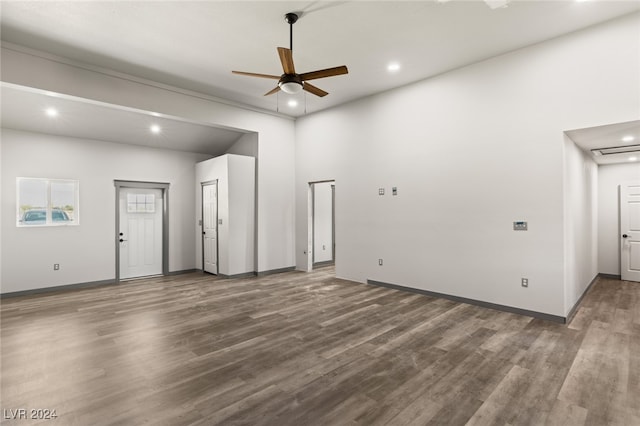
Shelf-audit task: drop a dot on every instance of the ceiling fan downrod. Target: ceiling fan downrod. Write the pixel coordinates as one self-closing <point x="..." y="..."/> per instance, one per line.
<point x="291" y="19"/>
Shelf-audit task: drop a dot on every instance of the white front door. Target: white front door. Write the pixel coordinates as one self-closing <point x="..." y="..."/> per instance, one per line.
<point x="140" y="232"/>
<point x="210" y="227"/>
<point x="630" y="231"/>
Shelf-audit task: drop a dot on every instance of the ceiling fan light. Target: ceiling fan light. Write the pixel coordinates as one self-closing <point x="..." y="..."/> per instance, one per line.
<point x="291" y="87"/>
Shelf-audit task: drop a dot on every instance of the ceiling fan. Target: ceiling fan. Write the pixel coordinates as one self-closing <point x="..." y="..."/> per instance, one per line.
<point x="292" y="82"/>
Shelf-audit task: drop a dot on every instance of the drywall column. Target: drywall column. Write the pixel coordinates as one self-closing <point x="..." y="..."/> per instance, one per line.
<point x="235" y="176"/>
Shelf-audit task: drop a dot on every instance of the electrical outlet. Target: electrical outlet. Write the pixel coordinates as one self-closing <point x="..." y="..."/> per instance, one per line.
<point x="56" y="266"/>
<point x="524" y="282"/>
<point x="380" y="191"/>
<point x="380" y="262"/>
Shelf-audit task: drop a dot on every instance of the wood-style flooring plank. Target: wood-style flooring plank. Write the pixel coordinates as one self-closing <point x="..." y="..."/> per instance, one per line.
<point x="310" y="349"/>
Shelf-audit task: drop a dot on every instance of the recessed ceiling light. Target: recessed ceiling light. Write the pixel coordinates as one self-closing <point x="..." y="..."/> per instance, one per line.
<point x="628" y="138"/>
<point x="155" y="129"/>
<point x="633" y="158"/>
<point x="393" y="67"/>
<point x="292" y="103"/>
<point x="497" y="4"/>
<point x="51" y="112"/>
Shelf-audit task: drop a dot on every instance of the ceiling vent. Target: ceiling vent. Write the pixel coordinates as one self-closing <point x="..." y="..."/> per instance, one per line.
<point x="616" y="150"/>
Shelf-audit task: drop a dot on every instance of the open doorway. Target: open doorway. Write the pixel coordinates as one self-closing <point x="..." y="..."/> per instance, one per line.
<point x="616" y="235"/>
<point x="322" y="230"/>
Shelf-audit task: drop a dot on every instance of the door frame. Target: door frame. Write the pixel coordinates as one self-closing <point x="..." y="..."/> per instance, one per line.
<point x="624" y="243"/>
<point x="164" y="187"/>
<point x="202" y="185"/>
<point x="310" y="229"/>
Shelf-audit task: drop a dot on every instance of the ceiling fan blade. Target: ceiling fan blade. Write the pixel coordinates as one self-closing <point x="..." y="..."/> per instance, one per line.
<point x="272" y="91"/>
<point x="286" y="57"/>
<point x="329" y="72"/>
<point x="313" y="89"/>
<point x="252" y="74"/>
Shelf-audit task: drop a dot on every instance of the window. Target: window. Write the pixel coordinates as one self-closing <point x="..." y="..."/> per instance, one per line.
<point x="141" y="203"/>
<point x="47" y="202"/>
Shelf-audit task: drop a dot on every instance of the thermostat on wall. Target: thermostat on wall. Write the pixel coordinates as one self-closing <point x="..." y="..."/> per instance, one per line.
<point x="520" y="226"/>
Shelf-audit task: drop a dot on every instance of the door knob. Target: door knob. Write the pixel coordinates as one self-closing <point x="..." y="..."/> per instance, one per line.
<point x="624" y="235"/>
<point x="121" y="234"/>
<point x="122" y="241"/>
<point x="204" y="233"/>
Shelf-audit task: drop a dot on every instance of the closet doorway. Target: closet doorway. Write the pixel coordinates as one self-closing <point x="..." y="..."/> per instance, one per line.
<point x="322" y="230"/>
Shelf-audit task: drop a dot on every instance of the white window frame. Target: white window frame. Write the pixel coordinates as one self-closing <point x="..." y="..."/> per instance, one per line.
<point x="74" y="216"/>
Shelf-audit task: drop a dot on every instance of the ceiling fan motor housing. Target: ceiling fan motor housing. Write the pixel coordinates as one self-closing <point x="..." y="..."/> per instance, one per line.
<point x="290" y="83"/>
<point x="290" y="78"/>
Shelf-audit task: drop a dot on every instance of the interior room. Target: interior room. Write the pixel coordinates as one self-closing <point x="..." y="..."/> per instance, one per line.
<point x="320" y="212"/>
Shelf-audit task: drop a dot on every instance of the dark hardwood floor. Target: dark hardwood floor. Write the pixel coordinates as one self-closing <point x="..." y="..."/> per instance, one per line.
<point x="310" y="349"/>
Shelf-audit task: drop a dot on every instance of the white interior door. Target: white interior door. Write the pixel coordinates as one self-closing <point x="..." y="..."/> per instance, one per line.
<point x="140" y="232"/>
<point x="630" y="231"/>
<point x="210" y="227"/>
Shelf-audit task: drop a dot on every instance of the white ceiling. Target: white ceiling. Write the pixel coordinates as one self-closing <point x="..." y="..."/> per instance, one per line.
<point x="196" y="45"/>
<point x="611" y="135"/>
<point x="24" y="109"/>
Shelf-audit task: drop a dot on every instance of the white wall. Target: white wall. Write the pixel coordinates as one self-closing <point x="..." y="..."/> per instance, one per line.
<point x="609" y="179"/>
<point x="246" y="145"/>
<point x="236" y="197"/>
<point x="323" y="221"/>
<point x="1" y="209"/>
<point x="580" y="222"/>
<point x="242" y="214"/>
<point x="276" y="174"/>
<point x="470" y="151"/>
<point x="86" y="253"/>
